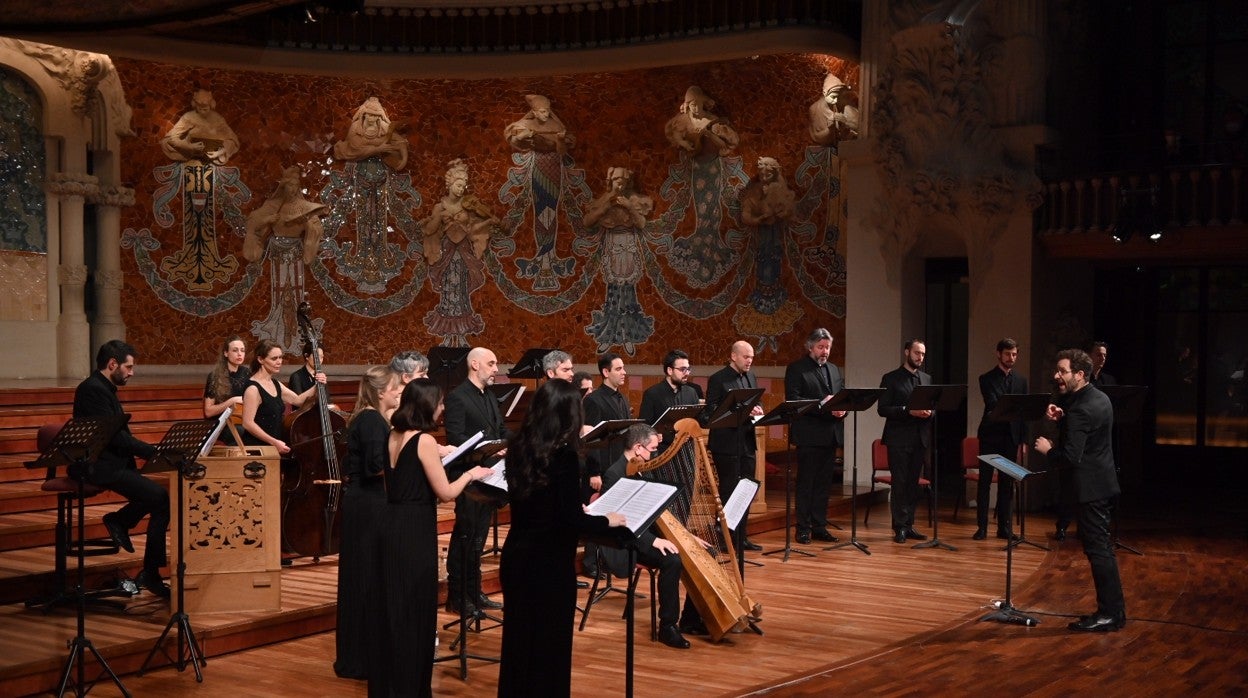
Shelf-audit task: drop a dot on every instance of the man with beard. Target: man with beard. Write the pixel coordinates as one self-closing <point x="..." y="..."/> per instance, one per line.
<point x="816" y="436"/>
<point x="116" y="470"/>
<point x="1084" y="444"/>
<point x="732" y="450"/>
<point x="906" y="436"/>
<point x="470" y="408"/>
<point x="558" y="364"/>
<point x="672" y="391"/>
<point x="998" y="437"/>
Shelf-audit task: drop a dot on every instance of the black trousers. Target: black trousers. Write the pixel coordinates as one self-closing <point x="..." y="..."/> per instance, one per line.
<point x="1094" y="528"/>
<point x="730" y="468"/>
<point x="472" y="525"/>
<point x="816" y="467"/>
<point x="144" y="498"/>
<point x="905" y="464"/>
<point x="1005" y="498"/>
<point x="669" y="567"/>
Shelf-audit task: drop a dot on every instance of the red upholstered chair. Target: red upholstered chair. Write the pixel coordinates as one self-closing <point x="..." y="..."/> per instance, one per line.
<point x="970" y="470"/>
<point x="880" y="474"/>
<point x="67" y="491"/>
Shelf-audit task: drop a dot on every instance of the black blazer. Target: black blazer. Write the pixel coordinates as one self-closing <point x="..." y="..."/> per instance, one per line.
<point x="601" y="405"/>
<point x="1000" y="437"/>
<point x="617" y="558"/>
<point x="726" y="440"/>
<point x="1085" y="444"/>
<point x="803" y="380"/>
<point x="900" y="427"/>
<point x="468" y="411"/>
<point x="97" y="397"/>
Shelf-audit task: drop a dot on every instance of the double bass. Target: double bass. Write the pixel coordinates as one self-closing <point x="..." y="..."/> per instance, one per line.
<point x="312" y="495"/>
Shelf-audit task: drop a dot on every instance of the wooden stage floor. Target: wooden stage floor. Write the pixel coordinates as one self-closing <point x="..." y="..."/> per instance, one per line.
<point x="898" y="622"/>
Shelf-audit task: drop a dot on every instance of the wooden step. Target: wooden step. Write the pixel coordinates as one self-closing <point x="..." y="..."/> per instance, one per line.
<point x="38" y="528"/>
<point x="26" y="496"/>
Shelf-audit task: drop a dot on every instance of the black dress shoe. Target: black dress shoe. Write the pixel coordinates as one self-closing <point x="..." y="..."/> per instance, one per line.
<point x="748" y="544"/>
<point x="486" y="602"/>
<point x="697" y="629"/>
<point x="582" y="584"/>
<point x="119" y="534"/>
<point x="821" y="534"/>
<point x="899" y="536"/>
<point x="912" y="534"/>
<point x="980" y="534"/>
<point x="1006" y="535"/>
<point x="670" y="636"/>
<point x="1098" y="623"/>
<point x="150" y="580"/>
<point x="452" y="607"/>
<point x="1060" y="533"/>
<point x="803" y="537"/>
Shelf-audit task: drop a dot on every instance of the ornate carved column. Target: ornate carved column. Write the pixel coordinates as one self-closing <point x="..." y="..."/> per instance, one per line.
<point x="108" y="280"/>
<point x="73" y="337"/>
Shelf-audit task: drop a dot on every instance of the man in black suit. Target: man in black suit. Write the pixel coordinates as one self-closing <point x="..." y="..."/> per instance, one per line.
<point x="998" y="437"/>
<point x="1099" y="353"/>
<point x="1084" y="444"/>
<point x="674" y="390"/>
<point x="816" y="436"/>
<point x="642" y="442"/>
<point x="907" y="437"/>
<point x="116" y="469"/>
<point x="733" y="450"/>
<point x="471" y="408"/>
<point x="606" y="403"/>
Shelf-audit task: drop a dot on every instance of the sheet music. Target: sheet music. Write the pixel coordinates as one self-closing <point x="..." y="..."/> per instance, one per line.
<point x="498" y="476"/>
<point x="222" y="420"/>
<point x="638" y="500"/>
<point x="738" y="503"/>
<point x="463" y="448"/>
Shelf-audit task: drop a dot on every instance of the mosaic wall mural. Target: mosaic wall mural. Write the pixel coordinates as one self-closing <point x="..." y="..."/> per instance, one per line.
<point x="637" y="211"/>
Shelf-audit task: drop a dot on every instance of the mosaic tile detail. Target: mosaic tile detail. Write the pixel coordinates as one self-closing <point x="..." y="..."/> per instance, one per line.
<point x="23" y="204"/>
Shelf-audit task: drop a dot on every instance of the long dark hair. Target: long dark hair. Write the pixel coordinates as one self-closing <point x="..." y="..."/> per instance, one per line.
<point x="221" y="388"/>
<point x="554" y="420"/>
<point x="417" y="406"/>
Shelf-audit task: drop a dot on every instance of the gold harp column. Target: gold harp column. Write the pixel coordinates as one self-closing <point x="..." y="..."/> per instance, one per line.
<point x="108" y="279"/>
<point x="69" y="191"/>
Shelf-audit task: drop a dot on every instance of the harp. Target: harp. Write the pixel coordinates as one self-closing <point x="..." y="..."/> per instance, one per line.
<point x="711" y="577"/>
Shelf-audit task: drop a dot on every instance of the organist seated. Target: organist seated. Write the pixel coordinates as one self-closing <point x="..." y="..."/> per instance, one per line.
<point x="641" y="441"/>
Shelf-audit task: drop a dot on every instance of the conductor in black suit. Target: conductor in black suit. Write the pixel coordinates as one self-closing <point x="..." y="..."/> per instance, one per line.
<point x="998" y="437"/>
<point x="1084" y="445"/>
<point x="470" y="408"/>
<point x="116" y="469"/>
<point x="733" y="449"/>
<point x="816" y="436"/>
<point x="907" y="436"/>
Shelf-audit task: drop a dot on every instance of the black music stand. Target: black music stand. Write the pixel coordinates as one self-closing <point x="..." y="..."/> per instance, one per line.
<point x="1128" y="402"/>
<point x="476" y="456"/>
<point x="448" y="366"/>
<point x="937" y="398"/>
<point x="1021" y="408"/>
<point x="1006" y="613"/>
<point x="853" y="400"/>
<point x="666" y="423"/>
<point x="530" y="364"/>
<point x="77" y="446"/>
<point x="785" y="413"/>
<point x="732" y="412"/>
<point x="179" y="451"/>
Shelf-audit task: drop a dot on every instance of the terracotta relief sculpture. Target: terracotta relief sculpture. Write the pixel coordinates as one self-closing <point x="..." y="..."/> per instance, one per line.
<point x="620" y="216"/>
<point x="372" y="134"/>
<point x="201" y="136"/>
<point x="834" y="116"/>
<point x="540" y="130"/>
<point x="697" y="130"/>
<point x="456" y="235"/>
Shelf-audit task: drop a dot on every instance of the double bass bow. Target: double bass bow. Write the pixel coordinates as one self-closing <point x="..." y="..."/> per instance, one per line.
<point x="310" y="520"/>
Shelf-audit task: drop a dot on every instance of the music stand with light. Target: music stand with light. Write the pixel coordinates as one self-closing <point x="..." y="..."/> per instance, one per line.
<point x="1128" y="402"/>
<point x="1006" y="613"/>
<point x="785" y="413"/>
<point x="732" y="412"/>
<point x="937" y="398"/>
<point x="1021" y="408"/>
<point x="853" y="400"/>
<point x="77" y="446"/>
<point x="448" y="366"/>
<point x="179" y="452"/>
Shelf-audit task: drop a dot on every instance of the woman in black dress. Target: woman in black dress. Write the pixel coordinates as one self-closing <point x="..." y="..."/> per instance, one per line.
<point x="226" y="383"/>
<point x="405" y="620"/>
<point x="547" y="520"/>
<point x="363" y="504"/>
<point x="265" y="399"/>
